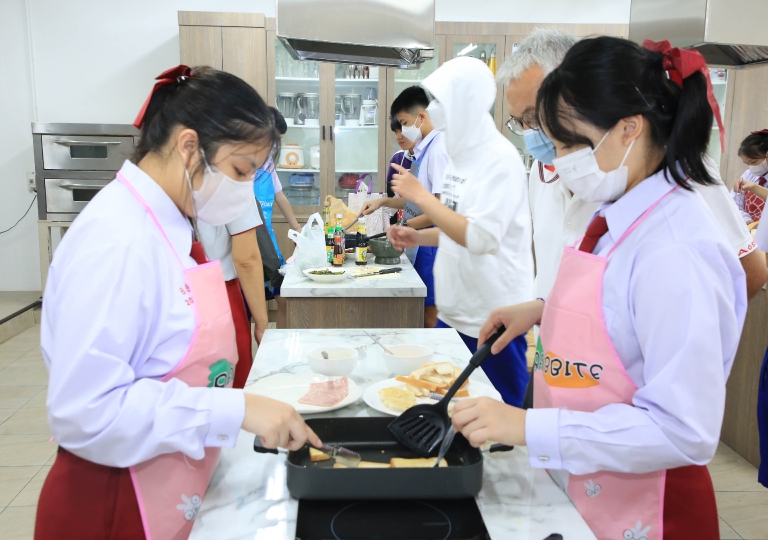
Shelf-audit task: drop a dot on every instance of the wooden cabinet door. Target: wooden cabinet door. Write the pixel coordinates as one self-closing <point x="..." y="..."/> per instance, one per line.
<point x="200" y="46"/>
<point x="244" y="52"/>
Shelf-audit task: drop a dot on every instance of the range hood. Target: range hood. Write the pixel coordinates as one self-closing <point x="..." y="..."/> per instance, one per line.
<point x="390" y="33"/>
<point x="730" y="33"/>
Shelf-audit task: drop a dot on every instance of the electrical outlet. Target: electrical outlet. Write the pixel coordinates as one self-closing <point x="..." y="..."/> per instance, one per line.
<point x="31" y="185"/>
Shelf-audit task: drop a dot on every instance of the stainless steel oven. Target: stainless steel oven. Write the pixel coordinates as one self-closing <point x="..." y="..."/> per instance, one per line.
<point x="74" y="161"/>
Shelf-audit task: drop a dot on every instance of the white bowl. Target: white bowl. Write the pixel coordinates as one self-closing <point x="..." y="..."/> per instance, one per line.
<point x="407" y="358"/>
<point x="341" y="360"/>
<point x="340" y="274"/>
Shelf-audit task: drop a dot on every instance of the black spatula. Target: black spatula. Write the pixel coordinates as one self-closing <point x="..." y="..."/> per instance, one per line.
<point x="422" y="427"/>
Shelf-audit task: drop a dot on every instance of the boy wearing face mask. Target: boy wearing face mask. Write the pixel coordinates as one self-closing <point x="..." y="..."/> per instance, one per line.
<point x="750" y="192"/>
<point x="428" y="161"/>
<point x="483" y="224"/>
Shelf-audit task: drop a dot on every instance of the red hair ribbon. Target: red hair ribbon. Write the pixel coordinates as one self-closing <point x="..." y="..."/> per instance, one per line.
<point x="760" y="132"/>
<point x="681" y="64"/>
<point x="166" y="77"/>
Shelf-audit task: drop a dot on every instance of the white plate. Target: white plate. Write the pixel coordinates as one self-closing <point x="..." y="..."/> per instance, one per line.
<point x="290" y="388"/>
<point x="327" y="279"/>
<point x="372" y="399"/>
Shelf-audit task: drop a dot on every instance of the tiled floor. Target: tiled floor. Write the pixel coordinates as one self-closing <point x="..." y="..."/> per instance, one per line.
<point x="13" y="301"/>
<point x="26" y="455"/>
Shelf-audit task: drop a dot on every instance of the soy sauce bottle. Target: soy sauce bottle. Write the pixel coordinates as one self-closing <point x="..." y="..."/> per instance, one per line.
<point x="361" y="251"/>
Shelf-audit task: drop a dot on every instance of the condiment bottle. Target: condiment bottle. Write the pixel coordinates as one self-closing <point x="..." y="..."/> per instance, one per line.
<point x="338" y="243"/>
<point x="492" y="62"/>
<point x="483" y="57"/>
<point x="361" y="251"/>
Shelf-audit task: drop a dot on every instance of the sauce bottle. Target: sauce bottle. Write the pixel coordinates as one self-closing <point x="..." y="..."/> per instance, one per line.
<point x="329" y="242"/>
<point x="338" y="244"/>
<point x="492" y="61"/>
<point x="361" y="251"/>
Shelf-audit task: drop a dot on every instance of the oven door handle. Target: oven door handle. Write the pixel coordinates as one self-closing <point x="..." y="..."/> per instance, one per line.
<point x="65" y="142"/>
<point x="73" y="185"/>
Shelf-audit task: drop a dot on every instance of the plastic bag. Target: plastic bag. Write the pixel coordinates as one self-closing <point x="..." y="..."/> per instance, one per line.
<point x="376" y="222"/>
<point x="338" y="207"/>
<point x="310" y="244"/>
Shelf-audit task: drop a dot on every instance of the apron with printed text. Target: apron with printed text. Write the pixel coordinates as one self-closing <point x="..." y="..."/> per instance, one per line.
<point x="264" y="191"/>
<point x="170" y="487"/>
<point x="411" y="210"/>
<point x="577" y="367"/>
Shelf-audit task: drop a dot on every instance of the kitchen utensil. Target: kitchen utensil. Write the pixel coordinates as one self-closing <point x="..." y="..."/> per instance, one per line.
<point x="438" y="397"/>
<point x="290" y="388"/>
<point x="385" y="253"/>
<point x="375" y="236"/>
<point x="351" y="225"/>
<point x="291" y="156"/>
<point x="299" y="111"/>
<point x="302" y="180"/>
<point x="379" y="343"/>
<point x="311" y="106"/>
<point x="373" y="399"/>
<point x="368" y="111"/>
<point x="325" y="354"/>
<point x="348" y="180"/>
<point x="422" y="428"/>
<point x="405" y="358"/>
<point x="350" y="106"/>
<point x="370" y="438"/>
<point x="371" y="93"/>
<point x="385" y="271"/>
<point x="314" y="156"/>
<point x="445" y="445"/>
<point x="341" y="455"/>
<point x="286" y="104"/>
<point x="341" y="361"/>
<point x="340" y="274"/>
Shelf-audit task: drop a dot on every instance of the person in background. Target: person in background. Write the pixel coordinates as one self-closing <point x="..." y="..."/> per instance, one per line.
<point x="403" y="157"/>
<point x="269" y="191"/>
<point x="483" y="221"/>
<point x="429" y="159"/>
<point x="750" y="192"/>
<point x="136" y="329"/>
<point x="644" y="315"/>
<point x="236" y="247"/>
<point x="761" y="237"/>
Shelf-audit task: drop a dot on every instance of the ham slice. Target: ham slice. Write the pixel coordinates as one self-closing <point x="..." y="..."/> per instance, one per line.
<point x="326" y="394"/>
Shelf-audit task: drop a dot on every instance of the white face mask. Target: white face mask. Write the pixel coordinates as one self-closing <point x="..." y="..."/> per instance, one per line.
<point x="437" y="116"/>
<point x="581" y="174"/>
<point x="412" y="133"/>
<point x="220" y="199"/>
<point x="759" y="170"/>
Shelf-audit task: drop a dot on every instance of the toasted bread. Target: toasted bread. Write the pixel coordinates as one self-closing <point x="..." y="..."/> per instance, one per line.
<point x="398" y="404"/>
<point x="425" y="463"/>
<point x="373" y="465"/>
<point x="317" y="455"/>
<point x="397" y="399"/>
<point x="463" y="392"/>
<point x="417" y="382"/>
<point x="339" y="466"/>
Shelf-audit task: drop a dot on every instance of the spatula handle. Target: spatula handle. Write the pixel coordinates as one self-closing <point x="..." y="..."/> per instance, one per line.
<point x="474" y="362"/>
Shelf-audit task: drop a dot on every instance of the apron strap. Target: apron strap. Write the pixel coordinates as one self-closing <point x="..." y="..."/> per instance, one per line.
<point x="639" y="220"/>
<point x="123" y="180"/>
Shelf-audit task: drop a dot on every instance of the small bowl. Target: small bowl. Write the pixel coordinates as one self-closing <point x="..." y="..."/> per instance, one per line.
<point x="339" y="274"/>
<point x="407" y="358"/>
<point x="341" y="360"/>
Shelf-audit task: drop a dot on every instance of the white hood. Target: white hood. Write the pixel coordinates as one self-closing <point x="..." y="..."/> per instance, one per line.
<point x="466" y="89"/>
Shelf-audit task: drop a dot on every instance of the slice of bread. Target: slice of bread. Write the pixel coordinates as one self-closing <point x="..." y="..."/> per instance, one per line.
<point x="317" y="455"/>
<point x="417" y="382"/>
<point x="425" y="463"/>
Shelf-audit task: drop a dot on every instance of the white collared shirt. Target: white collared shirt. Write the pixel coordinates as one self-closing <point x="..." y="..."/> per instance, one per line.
<point x="114" y="323"/>
<point x="674" y="301"/>
<point x="559" y="220"/>
<point x="432" y="168"/>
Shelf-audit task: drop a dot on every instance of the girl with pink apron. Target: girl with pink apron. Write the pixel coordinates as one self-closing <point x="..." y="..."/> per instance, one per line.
<point x="674" y="504"/>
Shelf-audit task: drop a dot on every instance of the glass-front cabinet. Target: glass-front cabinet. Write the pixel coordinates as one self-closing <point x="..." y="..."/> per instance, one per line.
<point x="333" y="117"/>
<point x="488" y="49"/>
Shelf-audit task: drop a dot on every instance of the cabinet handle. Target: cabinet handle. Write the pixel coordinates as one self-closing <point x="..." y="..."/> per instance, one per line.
<point x="323" y="132"/>
<point x="330" y="130"/>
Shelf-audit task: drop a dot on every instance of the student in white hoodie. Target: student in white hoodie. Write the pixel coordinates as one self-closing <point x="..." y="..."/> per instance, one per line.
<point x="483" y="223"/>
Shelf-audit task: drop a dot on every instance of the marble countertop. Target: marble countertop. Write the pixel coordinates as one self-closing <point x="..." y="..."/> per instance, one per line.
<point x="248" y="497"/>
<point x="406" y="284"/>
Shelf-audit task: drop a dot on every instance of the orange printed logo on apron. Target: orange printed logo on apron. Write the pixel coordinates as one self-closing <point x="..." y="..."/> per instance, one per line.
<point x="565" y="373"/>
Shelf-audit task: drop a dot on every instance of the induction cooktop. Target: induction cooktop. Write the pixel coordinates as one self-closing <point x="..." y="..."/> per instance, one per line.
<point x="450" y="519"/>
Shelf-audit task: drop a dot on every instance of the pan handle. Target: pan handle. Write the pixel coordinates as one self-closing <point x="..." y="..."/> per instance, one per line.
<point x="258" y="447"/>
<point x="500" y="448"/>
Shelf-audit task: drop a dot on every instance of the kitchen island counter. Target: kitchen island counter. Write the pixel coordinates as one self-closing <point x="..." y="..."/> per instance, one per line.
<point x="389" y="301"/>
<point x="248" y="497"/>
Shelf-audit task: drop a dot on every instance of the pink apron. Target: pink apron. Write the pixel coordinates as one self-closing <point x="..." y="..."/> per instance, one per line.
<point x="170" y="487"/>
<point x="576" y="367"/>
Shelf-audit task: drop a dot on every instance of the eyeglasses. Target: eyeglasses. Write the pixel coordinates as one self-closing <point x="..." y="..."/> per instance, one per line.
<point x="518" y="125"/>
